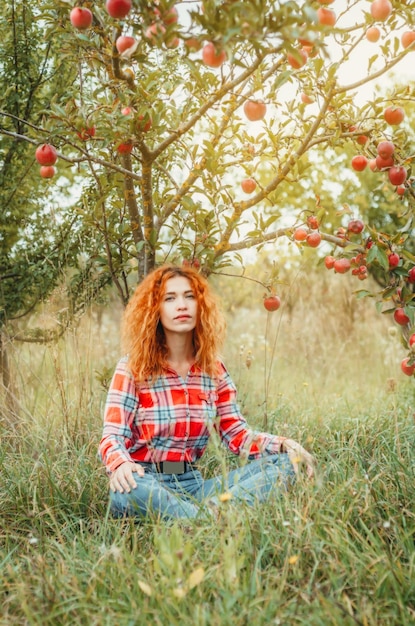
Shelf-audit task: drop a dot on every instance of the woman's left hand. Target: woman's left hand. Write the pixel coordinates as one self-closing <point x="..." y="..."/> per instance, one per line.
<point x="298" y="456"/>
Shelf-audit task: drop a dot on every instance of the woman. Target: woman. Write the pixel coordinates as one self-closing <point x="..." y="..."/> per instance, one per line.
<point x="166" y="399"/>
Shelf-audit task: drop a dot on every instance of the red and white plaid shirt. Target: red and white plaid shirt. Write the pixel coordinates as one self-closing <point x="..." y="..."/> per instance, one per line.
<point x="171" y="419"/>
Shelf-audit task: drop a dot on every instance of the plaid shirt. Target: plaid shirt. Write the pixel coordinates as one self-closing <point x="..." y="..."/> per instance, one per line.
<point x="171" y="418"/>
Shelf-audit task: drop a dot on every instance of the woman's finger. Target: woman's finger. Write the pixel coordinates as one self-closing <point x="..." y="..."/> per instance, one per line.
<point x="123" y="480"/>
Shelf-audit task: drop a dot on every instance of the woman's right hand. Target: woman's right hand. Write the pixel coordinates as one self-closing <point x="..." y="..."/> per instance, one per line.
<point x="122" y="479"/>
<point x="299" y="456"/>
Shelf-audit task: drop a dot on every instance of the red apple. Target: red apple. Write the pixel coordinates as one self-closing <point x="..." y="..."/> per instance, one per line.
<point x="373" y="34"/>
<point x="401" y="317"/>
<point x="300" y="234"/>
<point x="306" y="99"/>
<point x="383" y="163"/>
<point x="407" y="369"/>
<point x="171" y="16"/>
<point x="408" y="37"/>
<point x="212" y="56"/>
<point x="272" y="303"/>
<point x="372" y="164"/>
<point x="327" y="17"/>
<point x="397" y="175"/>
<point x="313" y="239"/>
<point x="155" y="33"/>
<point x="411" y="340"/>
<point x="362" y="139"/>
<point x="393" y="259"/>
<point x="86" y="133"/>
<point x="248" y="185"/>
<point x="298" y="60"/>
<point x="192" y="44"/>
<point x="126" y="45"/>
<point x="125" y="147"/>
<point x="255" y="110"/>
<point x="381" y="9"/>
<point x="355" y="226"/>
<point x="118" y="8"/>
<point x="81" y="18"/>
<point x="144" y="122"/>
<point x="400" y="190"/>
<point x="359" y="162"/>
<point x="394" y="115"/>
<point x="411" y="275"/>
<point x="312" y="222"/>
<point x="46" y="154"/>
<point x="329" y="262"/>
<point x="341" y="266"/>
<point x="172" y="43"/>
<point x="359" y="259"/>
<point x="47" y="171"/>
<point x="360" y="272"/>
<point x="385" y="149"/>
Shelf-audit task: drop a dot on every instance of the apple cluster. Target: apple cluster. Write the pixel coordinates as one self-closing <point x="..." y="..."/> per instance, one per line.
<point x="309" y="233"/>
<point x="359" y="265"/>
<point x="46" y="155"/>
<point x="159" y="31"/>
<point x="384" y="160"/>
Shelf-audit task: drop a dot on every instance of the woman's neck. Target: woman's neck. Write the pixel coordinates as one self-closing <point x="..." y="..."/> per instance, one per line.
<point x="181" y="352"/>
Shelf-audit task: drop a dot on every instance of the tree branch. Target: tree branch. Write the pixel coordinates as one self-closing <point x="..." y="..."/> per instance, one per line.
<point x="283" y="232"/>
<point x="210" y="102"/>
<point x="223" y="245"/>
<point x="371" y="77"/>
<point x="74" y="161"/>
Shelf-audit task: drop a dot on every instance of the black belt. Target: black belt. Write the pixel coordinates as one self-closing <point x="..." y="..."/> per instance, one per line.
<point x="170" y="467"/>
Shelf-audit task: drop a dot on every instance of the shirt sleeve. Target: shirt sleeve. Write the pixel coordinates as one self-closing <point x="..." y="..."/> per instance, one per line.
<point x="233" y="428"/>
<point x="120" y="408"/>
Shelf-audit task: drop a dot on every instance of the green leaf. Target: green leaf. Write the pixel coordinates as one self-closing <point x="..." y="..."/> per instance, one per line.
<point x="363" y="293"/>
<point x="379" y="255"/>
<point x="410" y="312"/>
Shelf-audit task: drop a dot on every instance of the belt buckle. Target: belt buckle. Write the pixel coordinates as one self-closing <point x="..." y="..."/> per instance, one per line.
<point x="173" y="467"/>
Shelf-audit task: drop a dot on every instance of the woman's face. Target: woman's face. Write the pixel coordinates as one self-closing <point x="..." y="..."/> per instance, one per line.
<point x="178" y="309"/>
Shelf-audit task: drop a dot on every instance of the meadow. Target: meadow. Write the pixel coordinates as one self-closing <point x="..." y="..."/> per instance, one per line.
<point x="323" y="370"/>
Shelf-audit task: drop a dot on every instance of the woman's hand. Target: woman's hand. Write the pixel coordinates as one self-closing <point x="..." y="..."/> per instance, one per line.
<point x="122" y="478"/>
<point x="298" y="455"/>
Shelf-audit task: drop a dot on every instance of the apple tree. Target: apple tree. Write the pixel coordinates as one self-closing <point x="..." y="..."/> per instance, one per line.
<point x="175" y="130"/>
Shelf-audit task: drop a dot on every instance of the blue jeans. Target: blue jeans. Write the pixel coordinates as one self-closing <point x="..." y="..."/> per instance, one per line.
<point x="188" y="495"/>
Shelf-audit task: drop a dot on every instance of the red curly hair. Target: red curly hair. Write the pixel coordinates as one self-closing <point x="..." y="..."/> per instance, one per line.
<point x="143" y="336"/>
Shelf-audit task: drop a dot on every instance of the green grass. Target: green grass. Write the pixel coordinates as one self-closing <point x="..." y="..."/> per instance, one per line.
<point x="338" y="551"/>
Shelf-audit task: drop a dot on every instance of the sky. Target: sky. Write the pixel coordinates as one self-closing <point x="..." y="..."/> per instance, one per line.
<point x="356" y="68"/>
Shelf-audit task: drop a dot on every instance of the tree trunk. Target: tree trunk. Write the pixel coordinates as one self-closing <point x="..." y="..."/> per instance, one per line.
<point x="8" y="408"/>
